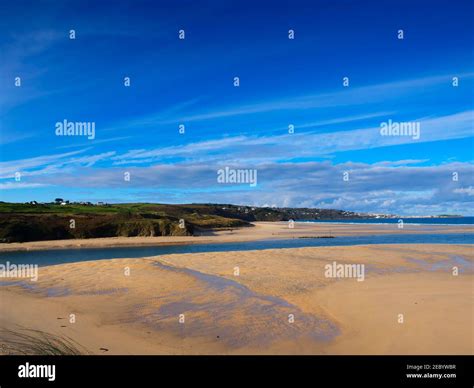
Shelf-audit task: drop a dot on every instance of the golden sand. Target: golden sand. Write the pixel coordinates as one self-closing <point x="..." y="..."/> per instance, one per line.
<point x="276" y="301"/>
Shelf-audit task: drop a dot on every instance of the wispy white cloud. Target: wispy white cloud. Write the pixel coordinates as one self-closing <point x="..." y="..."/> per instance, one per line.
<point x="102" y="141"/>
<point x="304" y="144"/>
<point x="465" y="190"/>
<point x="51" y="164"/>
<point x="20" y="185"/>
<point x="344" y="97"/>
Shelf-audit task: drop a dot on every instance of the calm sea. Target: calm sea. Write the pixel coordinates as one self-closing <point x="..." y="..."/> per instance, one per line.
<point x="61" y="256"/>
<point x="418" y="221"/>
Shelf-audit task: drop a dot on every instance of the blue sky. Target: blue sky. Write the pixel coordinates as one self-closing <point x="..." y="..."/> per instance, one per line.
<point x="282" y="82"/>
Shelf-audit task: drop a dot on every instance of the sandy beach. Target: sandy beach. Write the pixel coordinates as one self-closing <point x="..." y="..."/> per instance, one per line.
<point x="277" y="301"/>
<point x="259" y="231"/>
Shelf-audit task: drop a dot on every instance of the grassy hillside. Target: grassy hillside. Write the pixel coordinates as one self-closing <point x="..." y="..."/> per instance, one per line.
<point x="32" y="222"/>
<point x="26" y="222"/>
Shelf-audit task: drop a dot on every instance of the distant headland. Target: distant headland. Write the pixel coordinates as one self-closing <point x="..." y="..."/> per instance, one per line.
<point x="62" y="219"/>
